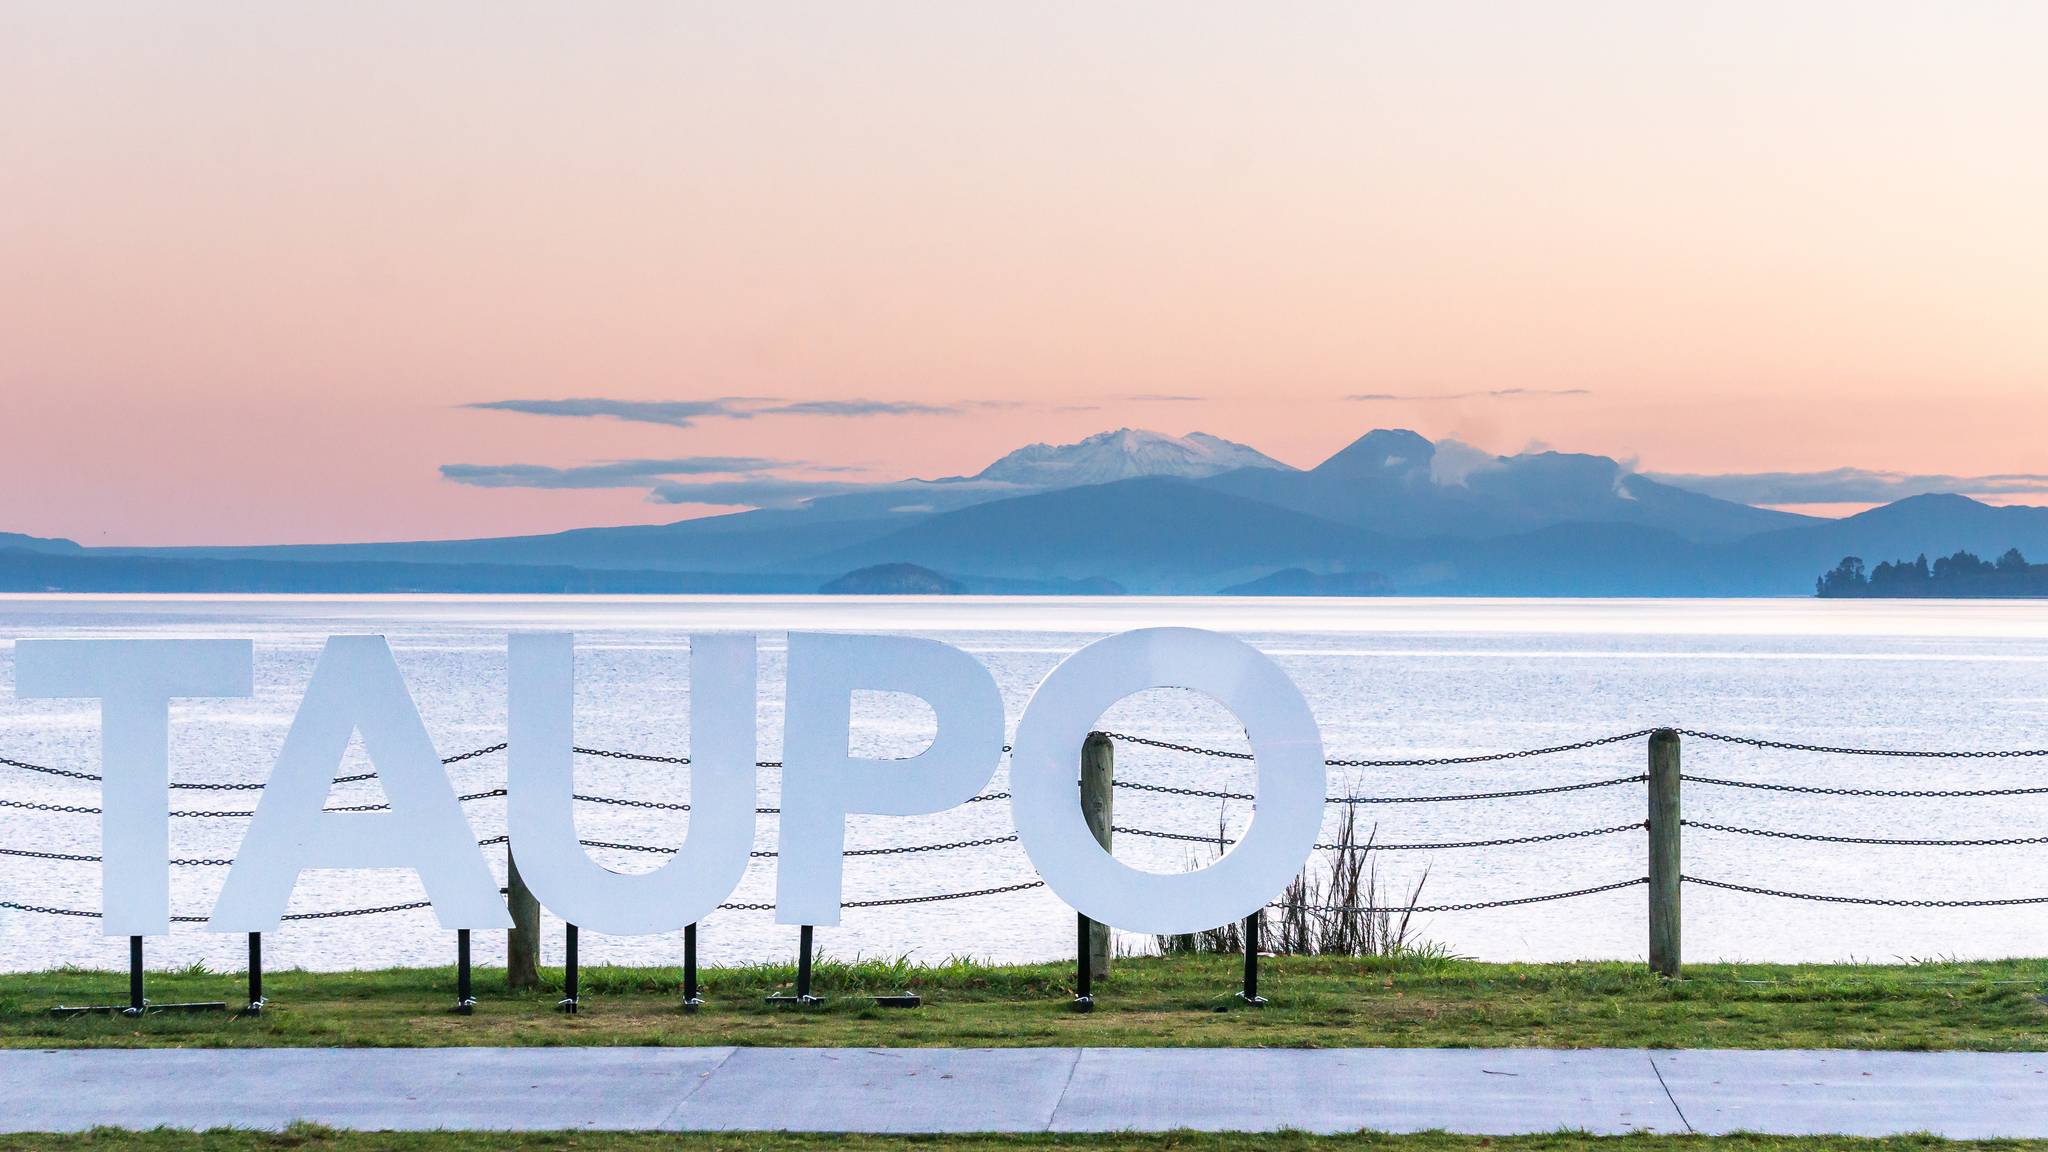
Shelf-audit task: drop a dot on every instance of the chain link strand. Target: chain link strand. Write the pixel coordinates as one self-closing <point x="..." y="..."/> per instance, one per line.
<point x="1825" y="839"/>
<point x="933" y="899"/>
<point x="48" y="855"/>
<point x="31" y="806"/>
<point x="1876" y="900"/>
<point x="1597" y="742"/>
<point x="243" y="814"/>
<point x="1915" y="754"/>
<point x="902" y="850"/>
<point x="1580" y="834"/>
<point x="1894" y="793"/>
<point x="1171" y="791"/>
<point x="1474" y="907"/>
<point x="767" y="855"/>
<point x="335" y="915"/>
<point x="1414" y="762"/>
<point x="241" y="786"/>
<point x="47" y="771"/>
<point x="1427" y="762"/>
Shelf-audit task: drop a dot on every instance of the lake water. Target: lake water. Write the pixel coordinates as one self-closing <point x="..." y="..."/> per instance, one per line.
<point x="1387" y="678"/>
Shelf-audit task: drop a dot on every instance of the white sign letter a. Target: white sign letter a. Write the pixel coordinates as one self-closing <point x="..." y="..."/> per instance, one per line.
<point x="356" y="687"/>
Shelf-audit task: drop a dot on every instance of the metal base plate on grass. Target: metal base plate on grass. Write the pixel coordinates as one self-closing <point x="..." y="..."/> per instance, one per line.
<point x="145" y="1010"/>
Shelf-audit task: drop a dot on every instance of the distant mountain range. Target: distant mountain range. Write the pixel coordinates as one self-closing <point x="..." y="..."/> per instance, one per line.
<point x="1138" y="511"/>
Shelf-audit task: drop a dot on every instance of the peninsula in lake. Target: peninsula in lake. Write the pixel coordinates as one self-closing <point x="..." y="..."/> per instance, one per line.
<point x="1963" y="576"/>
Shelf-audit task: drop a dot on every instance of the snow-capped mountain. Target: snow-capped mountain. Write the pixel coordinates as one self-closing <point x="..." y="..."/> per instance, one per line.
<point x="1123" y="455"/>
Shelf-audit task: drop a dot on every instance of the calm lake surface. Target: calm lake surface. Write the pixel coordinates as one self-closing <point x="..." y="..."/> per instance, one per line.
<point x="1387" y="679"/>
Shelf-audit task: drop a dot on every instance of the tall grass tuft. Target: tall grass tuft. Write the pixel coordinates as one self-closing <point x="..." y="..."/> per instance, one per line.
<point x="1340" y="908"/>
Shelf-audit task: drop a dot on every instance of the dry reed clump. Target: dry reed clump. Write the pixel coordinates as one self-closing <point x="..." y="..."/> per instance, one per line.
<point x="1339" y="909"/>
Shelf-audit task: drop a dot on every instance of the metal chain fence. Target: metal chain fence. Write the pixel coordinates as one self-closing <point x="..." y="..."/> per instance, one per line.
<point x="1165" y="745"/>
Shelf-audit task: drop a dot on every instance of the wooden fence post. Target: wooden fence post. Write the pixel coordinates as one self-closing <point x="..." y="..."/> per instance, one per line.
<point x="1098" y="773"/>
<point x="1665" y="948"/>
<point x="522" y="943"/>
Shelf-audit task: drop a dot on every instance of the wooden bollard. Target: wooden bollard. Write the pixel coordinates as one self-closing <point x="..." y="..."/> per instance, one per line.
<point x="1098" y="775"/>
<point x="522" y="943"/>
<point x="1665" y="946"/>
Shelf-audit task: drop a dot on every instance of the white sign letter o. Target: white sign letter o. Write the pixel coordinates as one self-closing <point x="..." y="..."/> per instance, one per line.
<point x="1045" y="767"/>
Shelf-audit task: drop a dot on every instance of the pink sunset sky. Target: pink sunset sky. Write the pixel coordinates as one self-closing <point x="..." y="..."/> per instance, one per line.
<point x="258" y="262"/>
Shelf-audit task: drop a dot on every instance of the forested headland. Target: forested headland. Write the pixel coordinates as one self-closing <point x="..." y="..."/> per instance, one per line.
<point x="1963" y="575"/>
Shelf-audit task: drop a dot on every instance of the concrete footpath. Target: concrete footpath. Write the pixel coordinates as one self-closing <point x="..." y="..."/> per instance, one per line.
<point x="1489" y="1091"/>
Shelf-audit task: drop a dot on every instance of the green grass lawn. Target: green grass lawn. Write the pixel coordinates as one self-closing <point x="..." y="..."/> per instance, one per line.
<point x="1316" y="1002"/>
<point x="316" y="1139"/>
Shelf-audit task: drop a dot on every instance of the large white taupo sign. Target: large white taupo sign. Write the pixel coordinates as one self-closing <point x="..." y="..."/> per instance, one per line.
<point x="356" y="688"/>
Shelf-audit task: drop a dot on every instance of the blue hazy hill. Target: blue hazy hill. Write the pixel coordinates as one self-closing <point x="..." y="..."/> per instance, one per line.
<point x="16" y="540"/>
<point x="1151" y="534"/>
<point x="22" y="570"/>
<point x="1938" y="524"/>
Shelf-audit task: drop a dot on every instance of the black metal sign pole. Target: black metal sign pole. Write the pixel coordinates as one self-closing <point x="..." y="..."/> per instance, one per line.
<point x="568" y="1003"/>
<point x="465" y="1004"/>
<point x="136" y="1004"/>
<point x="1250" y="992"/>
<point x="257" y="1002"/>
<point x="803" y="967"/>
<point x="691" y="1001"/>
<point x="803" y="997"/>
<point x="1084" y="972"/>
